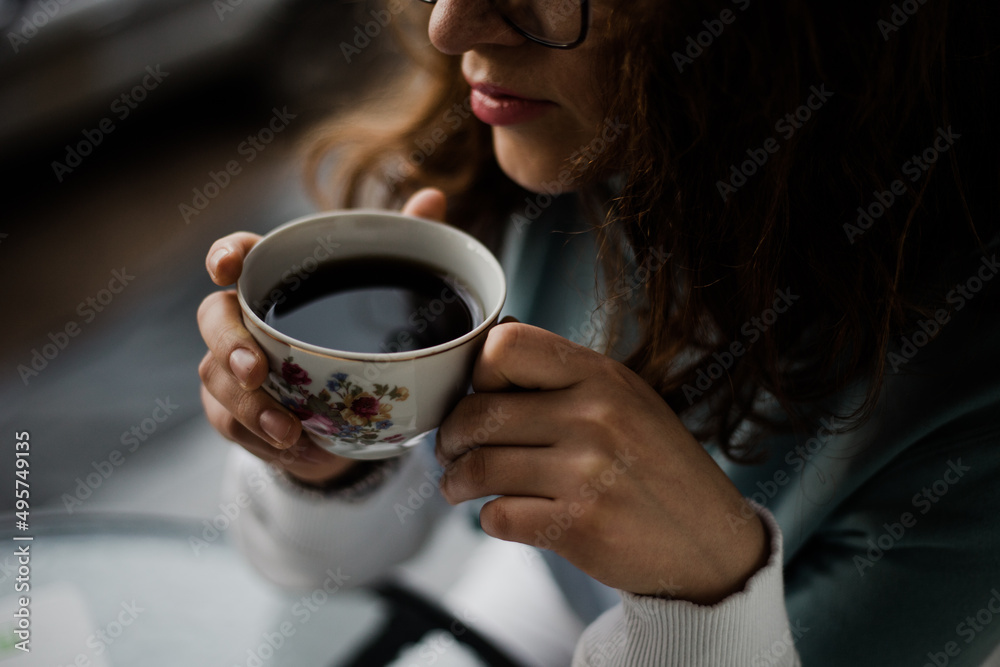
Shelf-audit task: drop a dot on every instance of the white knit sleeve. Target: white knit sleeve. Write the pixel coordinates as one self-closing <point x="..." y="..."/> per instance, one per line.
<point x="748" y="628"/>
<point x="298" y="536"/>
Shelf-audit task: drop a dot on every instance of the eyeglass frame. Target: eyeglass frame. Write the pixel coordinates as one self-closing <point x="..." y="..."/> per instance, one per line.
<point x="584" y="26"/>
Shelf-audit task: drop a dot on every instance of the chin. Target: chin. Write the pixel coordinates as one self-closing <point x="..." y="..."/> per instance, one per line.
<point x="531" y="164"/>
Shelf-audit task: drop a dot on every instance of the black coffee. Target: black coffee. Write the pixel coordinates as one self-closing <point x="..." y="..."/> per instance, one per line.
<point x="372" y="305"/>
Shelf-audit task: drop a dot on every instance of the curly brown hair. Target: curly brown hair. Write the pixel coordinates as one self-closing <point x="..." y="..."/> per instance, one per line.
<point x="758" y="137"/>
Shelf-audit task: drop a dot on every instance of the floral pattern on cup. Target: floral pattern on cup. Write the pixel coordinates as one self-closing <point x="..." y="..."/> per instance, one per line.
<point x="342" y="408"/>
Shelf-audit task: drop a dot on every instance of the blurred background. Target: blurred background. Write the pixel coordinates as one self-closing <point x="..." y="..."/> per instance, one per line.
<point x="118" y="119"/>
<point x="133" y="133"/>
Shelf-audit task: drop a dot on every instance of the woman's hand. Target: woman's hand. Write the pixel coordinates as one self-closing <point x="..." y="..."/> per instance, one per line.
<point x="593" y="464"/>
<point x="235" y="367"/>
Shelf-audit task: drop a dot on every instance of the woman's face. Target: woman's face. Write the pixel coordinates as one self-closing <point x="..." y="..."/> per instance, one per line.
<point x="542" y="103"/>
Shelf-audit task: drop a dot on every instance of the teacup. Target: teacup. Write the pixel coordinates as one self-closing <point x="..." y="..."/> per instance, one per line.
<point x="366" y="405"/>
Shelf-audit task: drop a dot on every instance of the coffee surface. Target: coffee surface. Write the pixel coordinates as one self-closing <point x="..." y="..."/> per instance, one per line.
<point x="373" y="305"/>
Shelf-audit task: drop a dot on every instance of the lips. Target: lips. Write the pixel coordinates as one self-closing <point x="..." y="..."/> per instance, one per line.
<point x="498" y="106"/>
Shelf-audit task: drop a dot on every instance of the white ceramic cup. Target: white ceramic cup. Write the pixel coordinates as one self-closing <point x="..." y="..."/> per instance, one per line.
<point x="364" y="405"/>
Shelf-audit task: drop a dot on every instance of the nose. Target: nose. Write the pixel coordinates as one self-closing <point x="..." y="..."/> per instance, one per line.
<point x="458" y="26"/>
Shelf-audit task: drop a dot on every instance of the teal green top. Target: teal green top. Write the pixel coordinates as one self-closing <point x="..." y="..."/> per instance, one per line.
<point x="891" y="531"/>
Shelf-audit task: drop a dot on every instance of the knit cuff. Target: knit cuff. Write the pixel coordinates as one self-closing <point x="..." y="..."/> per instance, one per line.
<point x="748" y="627"/>
<point x="362" y="480"/>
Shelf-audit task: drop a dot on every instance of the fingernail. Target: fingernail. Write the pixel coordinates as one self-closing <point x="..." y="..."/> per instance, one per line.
<point x="276" y="424"/>
<point x="241" y="363"/>
<point x="217" y="257"/>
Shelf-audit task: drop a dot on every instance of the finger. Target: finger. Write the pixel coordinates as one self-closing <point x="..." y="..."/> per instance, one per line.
<point x="526" y="418"/>
<point x="224" y="260"/>
<point x="305" y="459"/>
<point x="256" y="410"/>
<point x="514" y="471"/>
<point x="427" y="203"/>
<point x="524" y="519"/>
<point x="520" y="355"/>
<point x="220" y="321"/>
<point x="223" y="421"/>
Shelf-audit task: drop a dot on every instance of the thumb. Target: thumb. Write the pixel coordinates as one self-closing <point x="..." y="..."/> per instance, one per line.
<point x="427" y="203"/>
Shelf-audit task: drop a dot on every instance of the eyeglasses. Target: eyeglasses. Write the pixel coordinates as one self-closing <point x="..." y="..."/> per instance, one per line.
<point x="560" y="24"/>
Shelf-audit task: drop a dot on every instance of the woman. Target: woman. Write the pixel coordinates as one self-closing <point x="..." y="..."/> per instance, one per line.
<point x="794" y="210"/>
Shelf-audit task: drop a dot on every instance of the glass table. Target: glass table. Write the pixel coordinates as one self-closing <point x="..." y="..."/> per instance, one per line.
<point x="131" y="590"/>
